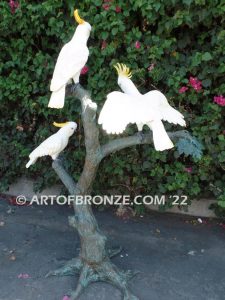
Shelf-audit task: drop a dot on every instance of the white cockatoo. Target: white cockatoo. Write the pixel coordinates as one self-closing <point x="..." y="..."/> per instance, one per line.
<point x="120" y="109"/>
<point x="154" y="98"/>
<point x="72" y="58"/>
<point x="54" y="144"/>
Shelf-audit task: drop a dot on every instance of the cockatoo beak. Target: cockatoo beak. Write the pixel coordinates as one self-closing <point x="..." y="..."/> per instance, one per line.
<point x="60" y="124"/>
<point x="78" y="18"/>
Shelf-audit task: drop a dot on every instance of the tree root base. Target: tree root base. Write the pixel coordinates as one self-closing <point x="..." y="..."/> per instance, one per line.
<point x="104" y="271"/>
<point x="71" y="268"/>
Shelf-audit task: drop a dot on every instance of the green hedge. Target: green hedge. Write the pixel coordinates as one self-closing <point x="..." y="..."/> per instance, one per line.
<point x="164" y="42"/>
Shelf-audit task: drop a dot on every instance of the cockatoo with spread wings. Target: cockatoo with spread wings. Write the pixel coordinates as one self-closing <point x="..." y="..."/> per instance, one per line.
<point x="120" y="109"/>
<point x="155" y="98"/>
<point x="54" y="144"/>
<point x="72" y="58"/>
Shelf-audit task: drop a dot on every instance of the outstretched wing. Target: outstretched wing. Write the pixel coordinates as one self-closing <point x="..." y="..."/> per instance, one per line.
<point x="117" y="113"/>
<point x="70" y="61"/>
<point x="167" y="112"/>
<point x="50" y="146"/>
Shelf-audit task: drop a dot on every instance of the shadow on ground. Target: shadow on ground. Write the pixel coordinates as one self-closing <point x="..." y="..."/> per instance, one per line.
<point x="177" y="258"/>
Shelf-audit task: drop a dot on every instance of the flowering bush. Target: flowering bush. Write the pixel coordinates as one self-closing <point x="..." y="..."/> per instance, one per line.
<point x="175" y="46"/>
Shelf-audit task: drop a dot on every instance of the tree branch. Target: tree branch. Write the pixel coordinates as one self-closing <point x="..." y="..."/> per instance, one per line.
<point x="65" y="177"/>
<point x="137" y="139"/>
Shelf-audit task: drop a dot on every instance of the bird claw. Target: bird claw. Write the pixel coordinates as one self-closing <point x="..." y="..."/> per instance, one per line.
<point x="141" y="136"/>
<point x="61" y="158"/>
<point x="74" y="87"/>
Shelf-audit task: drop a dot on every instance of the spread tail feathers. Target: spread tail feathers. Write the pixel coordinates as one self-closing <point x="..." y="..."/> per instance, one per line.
<point x="57" y="98"/>
<point x="161" y="139"/>
<point x="31" y="162"/>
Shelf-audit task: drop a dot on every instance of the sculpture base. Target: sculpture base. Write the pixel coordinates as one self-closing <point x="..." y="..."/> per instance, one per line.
<point x="104" y="271"/>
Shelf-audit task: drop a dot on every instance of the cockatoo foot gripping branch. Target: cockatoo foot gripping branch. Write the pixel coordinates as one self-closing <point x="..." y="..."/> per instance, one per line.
<point x="74" y="86"/>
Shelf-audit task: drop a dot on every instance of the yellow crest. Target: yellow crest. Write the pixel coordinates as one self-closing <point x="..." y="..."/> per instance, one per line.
<point x="78" y="18"/>
<point x="60" y="124"/>
<point x="123" y="70"/>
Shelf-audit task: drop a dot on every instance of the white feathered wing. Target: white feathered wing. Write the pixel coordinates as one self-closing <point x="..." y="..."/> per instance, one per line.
<point x="72" y="58"/>
<point x="157" y="100"/>
<point x="116" y="113"/>
<point x="121" y="109"/>
<point x="52" y="146"/>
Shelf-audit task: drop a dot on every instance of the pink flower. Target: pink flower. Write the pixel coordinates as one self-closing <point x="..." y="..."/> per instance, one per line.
<point x="198" y="86"/>
<point x="104" y="45"/>
<point x="137" y="45"/>
<point x="13" y="5"/>
<point x="188" y="170"/>
<point x="195" y="83"/>
<point x="183" y="89"/>
<point x="220" y="100"/>
<point x="84" y="70"/>
<point x="106" y="6"/>
<point x="66" y="298"/>
<point x="151" y="67"/>
<point x="118" y="9"/>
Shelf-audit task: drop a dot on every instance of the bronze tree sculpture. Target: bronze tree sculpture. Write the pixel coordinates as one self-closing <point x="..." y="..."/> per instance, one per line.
<point x="93" y="263"/>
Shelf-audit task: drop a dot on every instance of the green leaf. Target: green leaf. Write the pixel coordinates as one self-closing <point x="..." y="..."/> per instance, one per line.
<point x="206" y="82"/>
<point x="206" y="56"/>
<point x="221" y="137"/>
<point x="221" y="204"/>
<point x="114" y="31"/>
<point x="104" y="35"/>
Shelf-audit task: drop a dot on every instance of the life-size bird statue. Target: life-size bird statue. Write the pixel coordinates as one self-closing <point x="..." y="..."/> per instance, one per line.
<point x="54" y="144"/>
<point x="131" y="106"/>
<point x="72" y="58"/>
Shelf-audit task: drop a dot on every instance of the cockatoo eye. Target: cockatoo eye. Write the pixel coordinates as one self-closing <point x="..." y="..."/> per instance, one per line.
<point x="72" y="128"/>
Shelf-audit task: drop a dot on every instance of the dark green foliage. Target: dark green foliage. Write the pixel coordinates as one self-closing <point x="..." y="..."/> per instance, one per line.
<point x="181" y="38"/>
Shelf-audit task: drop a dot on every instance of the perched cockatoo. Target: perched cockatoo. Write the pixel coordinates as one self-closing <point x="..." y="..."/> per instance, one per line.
<point x="54" y="144"/>
<point x="72" y="58"/>
<point x="120" y="109"/>
<point x="155" y="98"/>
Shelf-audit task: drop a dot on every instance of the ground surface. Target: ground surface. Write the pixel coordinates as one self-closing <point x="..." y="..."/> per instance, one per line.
<point x="177" y="258"/>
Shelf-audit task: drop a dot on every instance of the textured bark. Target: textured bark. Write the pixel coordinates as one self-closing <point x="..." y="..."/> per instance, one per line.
<point x="93" y="263"/>
<point x="137" y="139"/>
